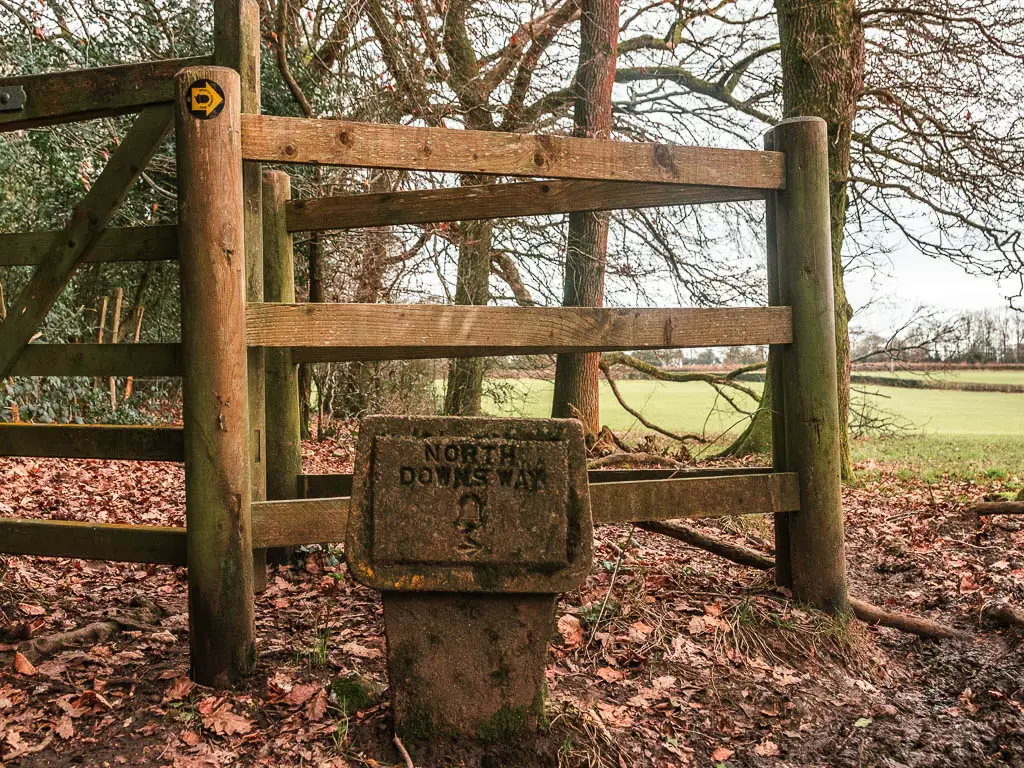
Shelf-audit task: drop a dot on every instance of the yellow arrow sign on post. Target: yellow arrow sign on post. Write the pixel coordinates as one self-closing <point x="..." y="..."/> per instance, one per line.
<point x="206" y="99"/>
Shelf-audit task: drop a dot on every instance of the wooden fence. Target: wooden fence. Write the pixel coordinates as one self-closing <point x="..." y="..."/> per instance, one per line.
<point x="241" y="326"/>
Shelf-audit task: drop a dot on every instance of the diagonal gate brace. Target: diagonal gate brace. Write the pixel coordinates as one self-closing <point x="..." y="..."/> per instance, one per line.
<point x="88" y="221"/>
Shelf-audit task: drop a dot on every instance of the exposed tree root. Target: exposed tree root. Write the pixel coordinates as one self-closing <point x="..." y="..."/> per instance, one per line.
<point x="91" y="634"/>
<point x="915" y="625"/>
<point x="997" y="508"/>
<point x="866" y="612"/>
<point x="735" y="552"/>
<point x="1002" y="614"/>
<point x="618" y="459"/>
<point x="49" y="645"/>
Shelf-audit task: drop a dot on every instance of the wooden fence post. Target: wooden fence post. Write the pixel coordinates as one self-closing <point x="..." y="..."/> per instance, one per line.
<point x="217" y="480"/>
<point x="773" y="386"/>
<point x="808" y="382"/>
<point x="284" y="445"/>
<point x="236" y="42"/>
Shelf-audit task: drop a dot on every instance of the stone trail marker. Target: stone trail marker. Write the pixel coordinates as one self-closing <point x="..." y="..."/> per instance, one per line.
<point x="469" y="527"/>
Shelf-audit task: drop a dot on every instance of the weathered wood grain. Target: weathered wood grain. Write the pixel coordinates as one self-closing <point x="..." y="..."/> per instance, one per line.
<point x="294" y="522"/>
<point x="139" y="360"/>
<point x="284" y="444"/>
<point x="330" y="485"/>
<point x="93" y="541"/>
<point x="321" y="332"/>
<point x="236" y="44"/>
<point x="157" y="243"/>
<point x="74" y="441"/>
<point x="82" y="231"/>
<point x="371" y="145"/>
<point x="694" y="497"/>
<point x="774" y="389"/>
<point x="809" y="381"/>
<point x="497" y="201"/>
<point x="307" y="521"/>
<point x="85" y="94"/>
<point x="218" y="464"/>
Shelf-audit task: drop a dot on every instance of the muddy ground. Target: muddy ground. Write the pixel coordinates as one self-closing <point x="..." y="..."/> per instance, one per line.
<point x="667" y="656"/>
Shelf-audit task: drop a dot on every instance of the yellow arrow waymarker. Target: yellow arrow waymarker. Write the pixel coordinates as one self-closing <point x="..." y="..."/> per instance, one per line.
<point x="206" y="99"/>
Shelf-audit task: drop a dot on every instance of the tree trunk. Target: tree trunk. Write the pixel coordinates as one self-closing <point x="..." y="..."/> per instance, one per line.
<point x="316" y="296"/>
<point x="357" y="386"/>
<point x="757" y="437"/>
<point x="577" y="375"/>
<point x="822" y="75"/>
<point x="466" y="375"/>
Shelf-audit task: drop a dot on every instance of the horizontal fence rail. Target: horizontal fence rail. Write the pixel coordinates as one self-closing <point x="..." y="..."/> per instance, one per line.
<point x="157" y="243"/>
<point x="336" y="332"/>
<point x="694" y="497"/>
<point x="320" y="486"/>
<point x="72" y="441"/>
<point x="93" y="541"/>
<point x="302" y="521"/>
<point x="497" y="201"/>
<point x="317" y="520"/>
<point x="140" y="360"/>
<point x="85" y="94"/>
<point x="309" y="521"/>
<point x="372" y="145"/>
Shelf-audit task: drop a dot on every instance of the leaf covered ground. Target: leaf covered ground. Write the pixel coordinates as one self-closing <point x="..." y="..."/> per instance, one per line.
<point x="666" y="656"/>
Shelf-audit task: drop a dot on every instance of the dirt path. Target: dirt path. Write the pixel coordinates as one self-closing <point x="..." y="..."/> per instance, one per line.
<point x="684" y="660"/>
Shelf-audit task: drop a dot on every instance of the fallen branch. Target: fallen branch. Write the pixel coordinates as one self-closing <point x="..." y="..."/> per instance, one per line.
<point x="866" y="612"/>
<point x="618" y="459"/>
<point x="714" y="380"/>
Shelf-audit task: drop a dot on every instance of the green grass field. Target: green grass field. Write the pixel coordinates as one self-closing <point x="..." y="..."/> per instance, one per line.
<point x="695" y="407"/>
<point x="967" y="434"/>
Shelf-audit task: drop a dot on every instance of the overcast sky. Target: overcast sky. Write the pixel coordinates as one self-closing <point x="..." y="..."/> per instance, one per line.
<point x="909" y="279"/>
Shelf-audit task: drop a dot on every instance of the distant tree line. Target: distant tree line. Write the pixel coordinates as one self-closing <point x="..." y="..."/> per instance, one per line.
<point x="975" y="338"/>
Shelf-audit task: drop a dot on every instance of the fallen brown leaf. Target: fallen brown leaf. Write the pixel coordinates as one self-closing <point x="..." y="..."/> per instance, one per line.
<point x="224" y="722"/>
<point x="191" y="738"/>
<point x="300" y="694"/>
<point x="317" y="706"/>
<point x="721" y="754"/>
<point x="179" y="688"/>
<point x="65" y="728"/>
<point x="571" y="630"/>
<point x="22" y="665"/>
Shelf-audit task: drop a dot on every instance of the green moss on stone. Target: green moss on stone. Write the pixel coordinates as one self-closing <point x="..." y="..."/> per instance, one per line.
<point x="420" y="724"/>
<point x="505" y="725"/>
<point x="353" y="694"/>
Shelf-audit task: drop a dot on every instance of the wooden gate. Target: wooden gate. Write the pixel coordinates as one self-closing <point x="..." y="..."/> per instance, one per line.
<point x="231" y="336"/>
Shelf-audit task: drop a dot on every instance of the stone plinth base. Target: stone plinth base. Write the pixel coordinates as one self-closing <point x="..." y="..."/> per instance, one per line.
<point x="467" y="665"/>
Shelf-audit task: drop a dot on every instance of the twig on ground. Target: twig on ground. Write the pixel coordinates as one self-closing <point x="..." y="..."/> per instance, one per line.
<point x="403" y="752"/>
<point x="607" y="595"/>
